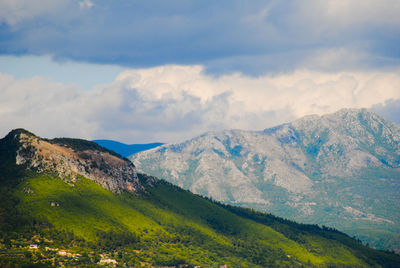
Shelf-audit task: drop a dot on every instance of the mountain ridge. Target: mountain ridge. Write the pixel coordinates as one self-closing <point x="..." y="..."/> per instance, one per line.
<point x="126" y="149"/>
<point x="71" y="158"/>
<point x="324" y="169"/>
<point x="50" y="219"/>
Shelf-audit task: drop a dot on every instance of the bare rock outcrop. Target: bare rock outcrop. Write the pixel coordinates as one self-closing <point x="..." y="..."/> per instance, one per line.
<point x="112" y="172"/>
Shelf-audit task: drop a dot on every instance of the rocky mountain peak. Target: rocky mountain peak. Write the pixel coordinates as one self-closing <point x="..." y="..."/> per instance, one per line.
<point x="338" y="169"/>
<point x="72" y="158"/>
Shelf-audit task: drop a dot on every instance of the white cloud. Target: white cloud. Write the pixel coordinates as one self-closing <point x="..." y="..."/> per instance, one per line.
<point x="172" y="103"/>
<point x="302" y="91"/>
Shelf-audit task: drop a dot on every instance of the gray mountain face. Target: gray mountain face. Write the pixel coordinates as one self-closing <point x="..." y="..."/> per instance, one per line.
<point x="341" y="170"/>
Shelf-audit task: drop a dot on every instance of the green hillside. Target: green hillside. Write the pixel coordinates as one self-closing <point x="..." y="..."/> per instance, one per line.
<point x="162" y="226"/>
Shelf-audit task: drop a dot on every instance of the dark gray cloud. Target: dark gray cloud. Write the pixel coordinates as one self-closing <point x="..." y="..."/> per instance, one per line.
<point x="225" y="36"/>
<point x="297" y="57"/>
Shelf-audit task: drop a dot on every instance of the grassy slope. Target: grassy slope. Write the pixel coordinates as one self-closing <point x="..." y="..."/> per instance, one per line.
<point x="173" y="223"/>
<point x="166" y="226"/>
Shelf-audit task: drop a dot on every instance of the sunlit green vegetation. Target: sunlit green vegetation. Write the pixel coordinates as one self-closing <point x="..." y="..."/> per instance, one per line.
<point x="163" y="226"/>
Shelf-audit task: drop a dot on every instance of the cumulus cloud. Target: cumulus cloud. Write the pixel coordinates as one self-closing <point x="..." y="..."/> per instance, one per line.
<point x="301" y="92"/>
<point x="252" y="37"/>
<point x="173" y="102"/>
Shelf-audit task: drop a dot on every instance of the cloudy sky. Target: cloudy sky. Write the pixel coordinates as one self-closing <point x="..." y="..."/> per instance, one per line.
<point x="155" y="70"/>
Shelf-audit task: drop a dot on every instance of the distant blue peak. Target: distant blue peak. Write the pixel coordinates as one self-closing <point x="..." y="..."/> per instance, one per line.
<point x="126" y="149"/>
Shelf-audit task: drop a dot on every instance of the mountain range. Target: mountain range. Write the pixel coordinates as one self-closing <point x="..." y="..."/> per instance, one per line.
<point x="340" y="170"/>
<point x="126" y="149"/>
<point x="70" y="202"/>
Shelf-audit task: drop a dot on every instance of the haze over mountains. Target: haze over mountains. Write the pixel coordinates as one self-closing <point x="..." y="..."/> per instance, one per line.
<point x="340" y="170"/>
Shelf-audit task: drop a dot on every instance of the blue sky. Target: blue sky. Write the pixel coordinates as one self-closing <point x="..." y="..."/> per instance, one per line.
<point x="84" y="75"/>
<point x="142" y="71"/>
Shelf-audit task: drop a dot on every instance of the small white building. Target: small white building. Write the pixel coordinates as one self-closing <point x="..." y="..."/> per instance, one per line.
<point x="33" y="246"/>
<point x="107" y="261"/>
<point x="62" y="252"/>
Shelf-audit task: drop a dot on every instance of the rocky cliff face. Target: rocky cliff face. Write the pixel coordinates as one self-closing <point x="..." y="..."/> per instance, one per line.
<point x="340" y="170"/>
<point x="70" y="159"/>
